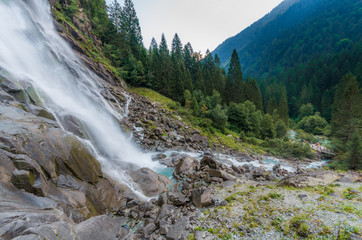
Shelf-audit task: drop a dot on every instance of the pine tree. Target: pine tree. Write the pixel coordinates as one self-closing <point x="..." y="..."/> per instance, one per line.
<point x="163" y="46"/>
<point x="176" y="48"/>
<point x="271" y="106"/>
<point x="189" y="60"/>
<point x="283" y="108"/>
<point x="153" y="46"/>
<point x="347" y="108"/>
<point x="131" y="29"/>
<point x="252" y="93"/>
<point x="235" y="85"/>
<point x="115" y="14"/>
<point x="353" y="156"/>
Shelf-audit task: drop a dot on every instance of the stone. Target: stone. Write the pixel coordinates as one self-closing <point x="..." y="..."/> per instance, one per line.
<point x="223" y="203"/>
<point x="186" y="165"/>
<point x="159" y="156"/>
<point x="151" y="183"/>
<point x="148" y="229"/>
<point x="177" y="198"/>
<point x="201" y="198"/>
<point x="353" y="236"/>
<point x="166" y="212"/>
<point x="99" y="228"/>
<point x="23" y="180"/>
<point x="210" y="162"/>
<point x="221" y="174"/>
<point x="178" y="230"/>
<point x="310" y="179"/>
<point x="203" y="235"/>
<point x="162" y="199"/>
<point x="302" y="196"/>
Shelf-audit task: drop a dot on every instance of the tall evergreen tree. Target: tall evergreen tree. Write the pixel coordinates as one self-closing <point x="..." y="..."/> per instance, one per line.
<point x="347" y="108"/>
<point x="131" y="29"/>
<point x="115" y="14"/>
<point x="283" y="108"/>
<point x="153" y="45"/>
<point x="252" y="93"/>
<point x="163" y="46"/>
<point x="176" y="48"/>
<point x="234" y="84"/>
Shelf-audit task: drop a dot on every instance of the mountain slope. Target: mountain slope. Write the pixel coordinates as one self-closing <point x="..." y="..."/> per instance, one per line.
<point x="294" y="32"/>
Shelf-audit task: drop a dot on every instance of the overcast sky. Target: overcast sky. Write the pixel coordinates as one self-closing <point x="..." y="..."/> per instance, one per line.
<point x="203" y="23"/>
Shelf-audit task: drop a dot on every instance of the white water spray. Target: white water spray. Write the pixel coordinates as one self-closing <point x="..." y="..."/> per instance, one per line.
<point x="32" y="51"/>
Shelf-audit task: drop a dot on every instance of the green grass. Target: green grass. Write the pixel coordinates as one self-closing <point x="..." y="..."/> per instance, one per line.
<point x="154" y="97"/>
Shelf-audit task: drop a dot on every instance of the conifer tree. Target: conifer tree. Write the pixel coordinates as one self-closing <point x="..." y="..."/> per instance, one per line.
<point x="131" y="29"/>
<point x="176" y="48"/>
<point x="253" y="94"/>
<point x="115" y="14"/>
<point x="153" y="45"/>
<point x="163" y="46"/>
<point x="347" y="108"/>
<point x="235" y="85"/>
<point x="283" y="108"/>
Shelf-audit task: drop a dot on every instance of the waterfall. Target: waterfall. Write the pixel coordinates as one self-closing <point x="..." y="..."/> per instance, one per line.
<point x="31" y="51"/>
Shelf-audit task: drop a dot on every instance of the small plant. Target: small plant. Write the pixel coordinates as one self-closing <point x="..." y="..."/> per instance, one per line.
<point x="350" y="193"/>
<point x="231" y="198"/>
<point x="275" y="195"/>
<point x="299" y="225"/>
<point x="198" y="228"/>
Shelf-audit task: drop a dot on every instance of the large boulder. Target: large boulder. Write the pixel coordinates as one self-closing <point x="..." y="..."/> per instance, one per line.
<point x="221" y="174"/>
<point x="210" y="162"/>
<point x="151" y="183"/>
<point x="186" y="165"/>
<point x="310" y="179"/>
<point x="202" y="197"/>
<point x="100" y="228"/>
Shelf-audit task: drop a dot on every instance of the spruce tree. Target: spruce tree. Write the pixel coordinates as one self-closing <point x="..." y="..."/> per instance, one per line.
<point x="115" y="14"/>
<point x="235" y="85"/>
<point x="283" y="108"/>
<point x="176" y="48"/>
<point x="347" y="108"/>
<point x="131" y="29"/>
<point x="252" y="93"/>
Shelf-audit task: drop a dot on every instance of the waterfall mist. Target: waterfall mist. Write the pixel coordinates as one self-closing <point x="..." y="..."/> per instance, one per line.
<point x="31" y="51"/>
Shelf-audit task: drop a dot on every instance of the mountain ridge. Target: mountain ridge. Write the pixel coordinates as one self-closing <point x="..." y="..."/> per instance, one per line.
<point x="256" y="43"/>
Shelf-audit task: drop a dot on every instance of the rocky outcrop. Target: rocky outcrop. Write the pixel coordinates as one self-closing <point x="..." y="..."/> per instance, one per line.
<point x="310" y="179"/>
<point x="47" y="176"/>
<point x="151" y="183"/>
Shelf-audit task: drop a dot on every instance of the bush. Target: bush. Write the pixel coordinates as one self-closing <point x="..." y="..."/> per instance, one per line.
<point x="286" y="149"/>
<point x="280" y="129"/>
<point x="219" y="117"/>
<point x="313" y="124"/>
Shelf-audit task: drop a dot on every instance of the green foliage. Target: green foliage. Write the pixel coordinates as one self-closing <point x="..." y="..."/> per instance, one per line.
<point x="235" y="83"/>
<point x="280" y="129"/>
<point x="313" y="124"/>
<point x="350" y="193"/>
<point x="300" y="134"/>
<point x="306" y="110"/>
<point x="267" y="127"/>
<point x="353" y="155"/>
<point x="347" y="108"/>
<point x="219" y="117"/>
<point x="285" y="149"/>
<point x="244" y="117"/>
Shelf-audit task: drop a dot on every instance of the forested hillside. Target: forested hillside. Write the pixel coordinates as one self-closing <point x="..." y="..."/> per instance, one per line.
<point x="294" y="32"/>
<point x="302" y="50"/>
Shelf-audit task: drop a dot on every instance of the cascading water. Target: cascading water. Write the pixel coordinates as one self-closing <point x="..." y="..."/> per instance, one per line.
<point x="32" y="51"/>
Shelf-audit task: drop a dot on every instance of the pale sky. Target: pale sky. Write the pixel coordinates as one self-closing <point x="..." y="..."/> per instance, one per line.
<point x="203" y="23"/>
